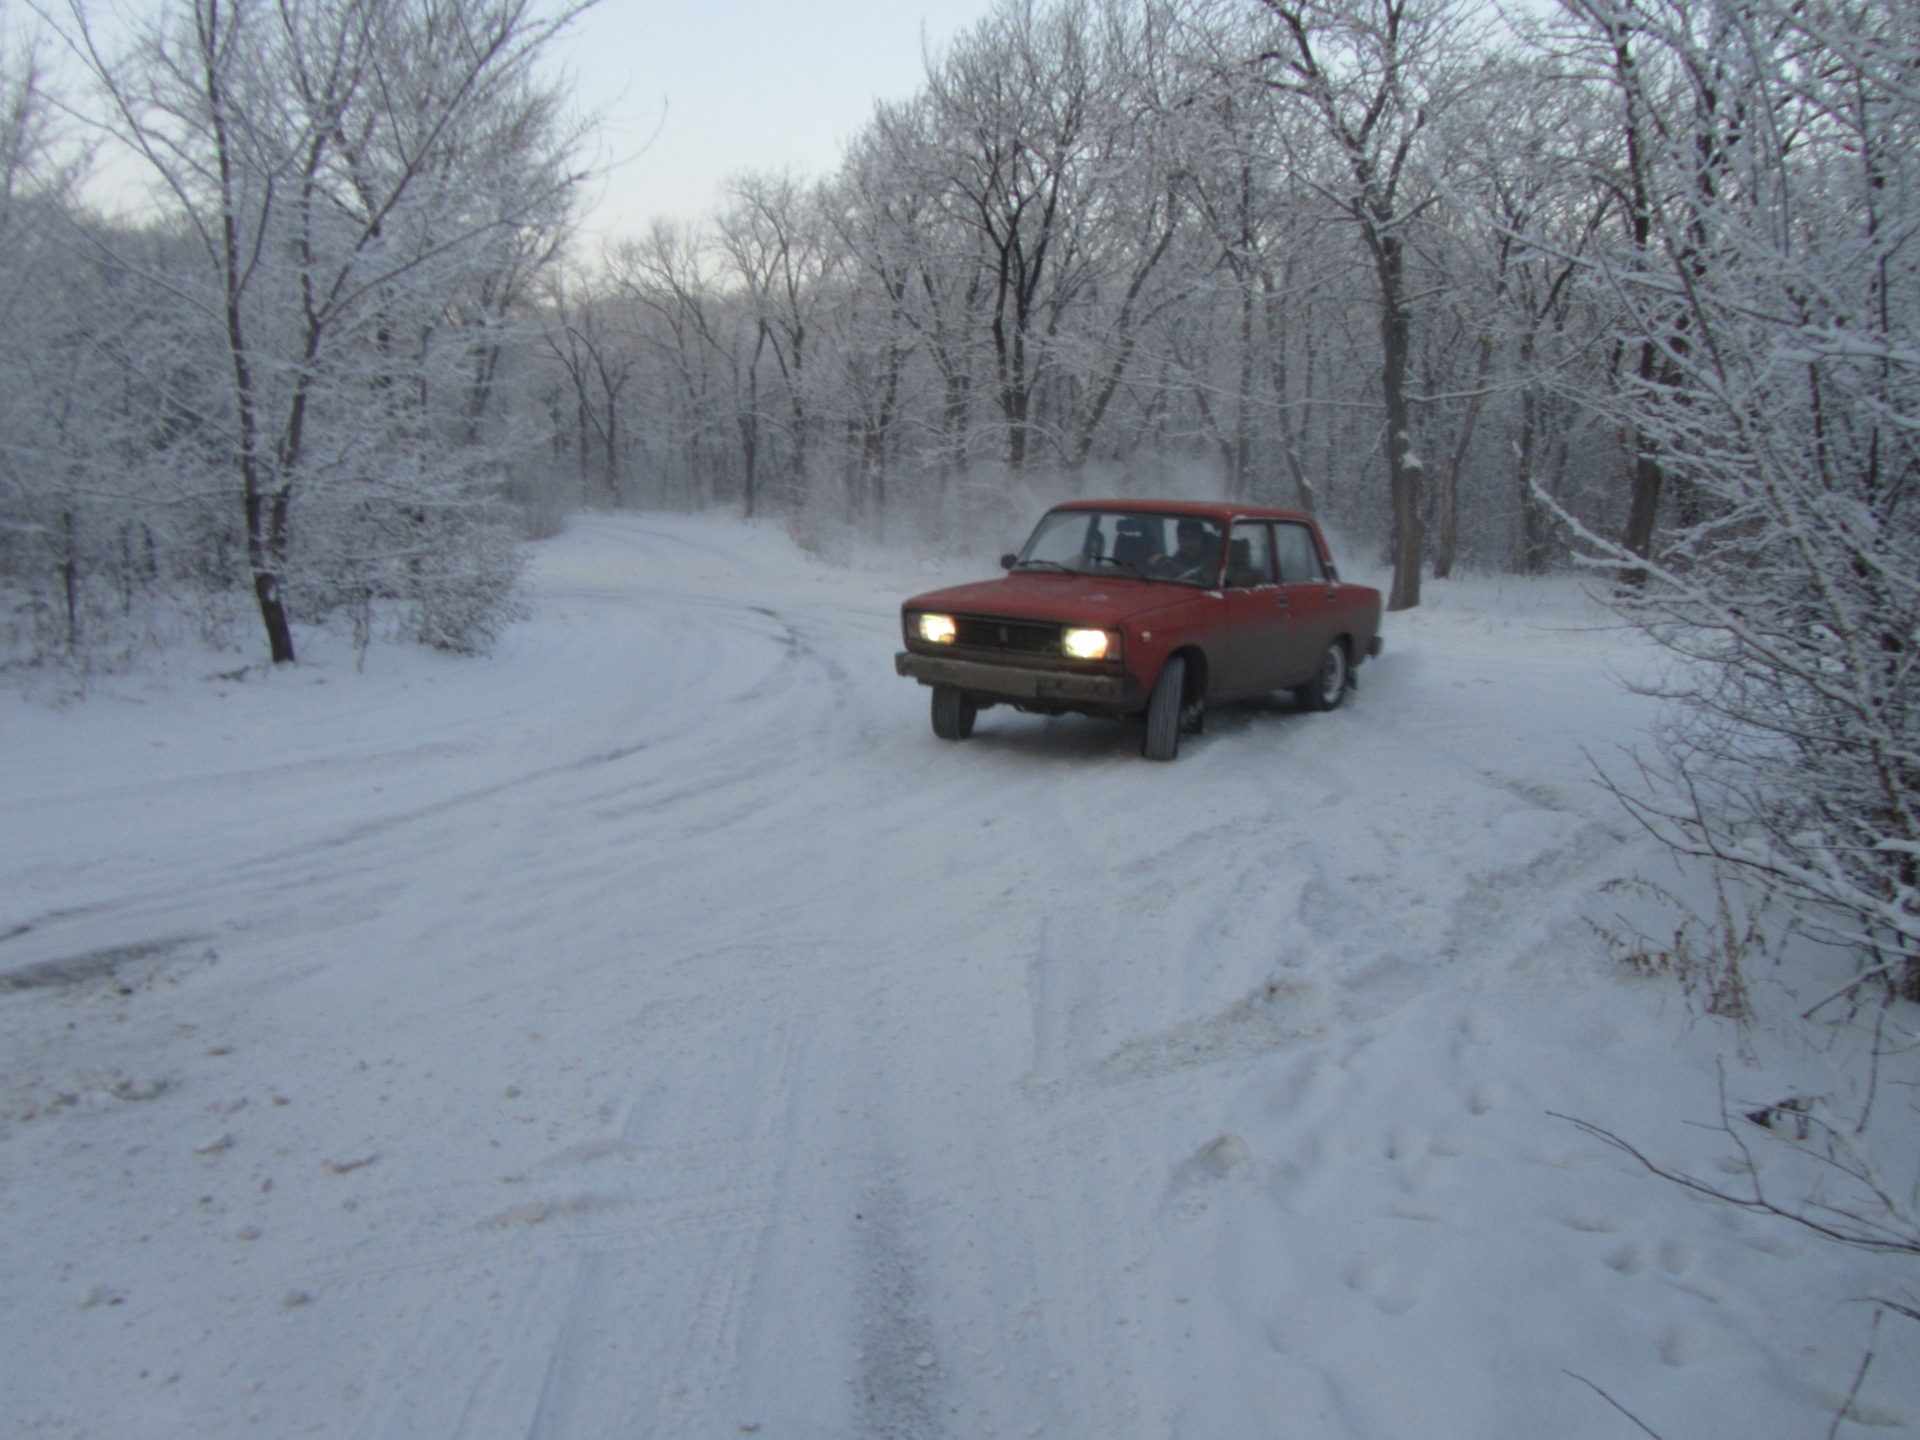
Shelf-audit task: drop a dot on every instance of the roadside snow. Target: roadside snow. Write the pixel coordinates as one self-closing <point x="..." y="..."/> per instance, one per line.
<point x="652" y="1029"/>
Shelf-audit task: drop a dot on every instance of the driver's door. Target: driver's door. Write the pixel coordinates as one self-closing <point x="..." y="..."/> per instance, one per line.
<point x="1259" y="628"/>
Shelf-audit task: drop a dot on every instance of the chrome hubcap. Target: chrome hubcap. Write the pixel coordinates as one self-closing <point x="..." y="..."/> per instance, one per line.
<point x="1333" y="674"/>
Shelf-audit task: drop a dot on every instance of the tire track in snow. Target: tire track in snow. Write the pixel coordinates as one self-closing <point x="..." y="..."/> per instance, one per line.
<point x="898" y="1364"/>
<point x="589" y="1356"/>
<point x="707" y="1351"/>
<point x="687" y="768"/>
<point x="1054" y="1256"/>
<point x="1040" y="1004"/>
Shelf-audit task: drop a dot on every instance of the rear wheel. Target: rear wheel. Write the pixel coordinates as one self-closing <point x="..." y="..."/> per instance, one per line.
<point x="1164" y="711"/>
<point x="1329" y="684"/>
<point x="953" y="712"/>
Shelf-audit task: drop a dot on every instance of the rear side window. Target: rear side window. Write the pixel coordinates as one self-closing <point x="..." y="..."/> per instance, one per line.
<point x="1249" y="561"/>
<point x="1299" y="560"/>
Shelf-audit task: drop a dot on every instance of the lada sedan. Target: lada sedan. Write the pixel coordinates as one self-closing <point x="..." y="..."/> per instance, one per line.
<point x="1118" y="607"/>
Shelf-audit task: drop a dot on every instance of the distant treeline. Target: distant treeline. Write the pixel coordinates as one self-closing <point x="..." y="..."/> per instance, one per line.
<point x="1451" y="284"/>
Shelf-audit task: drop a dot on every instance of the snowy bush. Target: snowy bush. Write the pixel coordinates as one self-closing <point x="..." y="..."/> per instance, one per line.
<point x="284" y="379"/>
<point x="1774" y="293"/>
<point x="1780" y="290"/>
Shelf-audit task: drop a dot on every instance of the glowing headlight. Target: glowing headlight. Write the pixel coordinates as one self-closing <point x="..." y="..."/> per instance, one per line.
<point x="939" y="629"/>
<point x="1085" y="644"/>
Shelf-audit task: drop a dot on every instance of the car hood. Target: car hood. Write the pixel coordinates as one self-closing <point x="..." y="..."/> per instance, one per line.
<point x="1103" y="600"/>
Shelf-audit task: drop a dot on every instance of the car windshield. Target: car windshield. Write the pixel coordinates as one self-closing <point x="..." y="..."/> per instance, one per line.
<point x="1181" y="548"/>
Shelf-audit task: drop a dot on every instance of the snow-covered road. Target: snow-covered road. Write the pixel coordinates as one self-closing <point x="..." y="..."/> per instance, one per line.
<point x="652" y="1030"/>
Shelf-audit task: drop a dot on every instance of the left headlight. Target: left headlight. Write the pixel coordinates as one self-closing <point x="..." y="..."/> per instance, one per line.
<point x="1088" y="644"/>
<point x="939" y="629"/>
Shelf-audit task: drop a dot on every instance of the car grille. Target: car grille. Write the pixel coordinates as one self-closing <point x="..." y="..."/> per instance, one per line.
<point x="1015" y="637"/>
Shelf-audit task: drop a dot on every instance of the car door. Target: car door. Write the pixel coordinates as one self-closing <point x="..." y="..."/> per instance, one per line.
<point x="1310" y="592"/>
<point x="1260" y="639"/>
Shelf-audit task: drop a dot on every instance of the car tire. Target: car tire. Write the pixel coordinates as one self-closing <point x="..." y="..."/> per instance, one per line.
<point x="1164" y="711"/>
<point x="953" y="712"/>
<point x="1330" y="682"/>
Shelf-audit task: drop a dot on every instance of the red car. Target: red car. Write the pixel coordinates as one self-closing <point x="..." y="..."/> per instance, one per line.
<point x="1121" y="606"/>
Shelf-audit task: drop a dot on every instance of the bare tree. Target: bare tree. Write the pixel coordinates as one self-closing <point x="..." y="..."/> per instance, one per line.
<point x="1010" y="107"/>
<point x="1788" y="316"/>
<point x="880" y="224"/>
<point x="1610" y="35"/>
<point x="595" y="353"/>
<point x="1531" y="184"/>
<point x="709" y="353"/>
<point x="946" y="265"/>
<point x="1374" y="73"/>
<point x="343" y="167"/>
<point x="1228" y="129"/>
<point x="776" y="239"/>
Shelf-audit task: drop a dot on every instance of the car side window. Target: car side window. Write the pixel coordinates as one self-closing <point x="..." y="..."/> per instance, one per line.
<point x="1299" y="559"/>
<point x="1249" y="556"/>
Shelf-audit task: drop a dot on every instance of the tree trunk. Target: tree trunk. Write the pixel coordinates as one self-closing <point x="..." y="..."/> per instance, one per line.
<point x="1443" y="554"/>
<point x="1282" y="404"/>
<point x="1403" y="464"/>
<point x="1646" y="477"/>
<point x="1241" y="464"/>
<point x="70" y="582"/>
<point x="1533" y="521"/>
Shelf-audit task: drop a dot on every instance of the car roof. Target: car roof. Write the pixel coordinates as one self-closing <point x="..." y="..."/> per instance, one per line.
<point x="1210" y="509"/>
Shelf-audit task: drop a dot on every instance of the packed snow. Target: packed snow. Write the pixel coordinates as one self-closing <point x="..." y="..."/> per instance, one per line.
<point x="651" y="1029"/>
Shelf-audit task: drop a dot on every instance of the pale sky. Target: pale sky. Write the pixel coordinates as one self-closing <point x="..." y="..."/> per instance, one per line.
<point x="733" y="85"/>
<point x="692" y="91"/>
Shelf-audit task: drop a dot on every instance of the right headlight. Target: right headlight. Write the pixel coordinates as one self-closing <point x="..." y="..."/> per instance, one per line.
<point x="1087" y="644"/>
<point x="939" y="629"/>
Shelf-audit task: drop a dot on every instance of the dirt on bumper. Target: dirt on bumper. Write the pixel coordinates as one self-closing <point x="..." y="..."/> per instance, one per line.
<point x="1022" y="683"/>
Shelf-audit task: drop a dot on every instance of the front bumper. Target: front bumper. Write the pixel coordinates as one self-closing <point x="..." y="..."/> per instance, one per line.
<point x="1018" y="682"/>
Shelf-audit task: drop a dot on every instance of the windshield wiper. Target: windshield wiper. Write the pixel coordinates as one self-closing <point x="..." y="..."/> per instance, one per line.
<point x="1123" y="564"/>
<point x="1048" y="564"/>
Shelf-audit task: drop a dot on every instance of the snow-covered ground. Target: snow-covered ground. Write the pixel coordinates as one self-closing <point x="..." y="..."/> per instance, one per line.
<point x="653" y="1030"/>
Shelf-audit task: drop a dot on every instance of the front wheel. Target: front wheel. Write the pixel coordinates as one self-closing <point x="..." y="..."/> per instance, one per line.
<point x="1164" y="711"/>
<point x="953" y="712"/>
<point x="1329" y="684"/>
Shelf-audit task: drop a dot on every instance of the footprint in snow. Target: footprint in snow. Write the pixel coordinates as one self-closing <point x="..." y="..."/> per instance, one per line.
<point x="1285" y="1089"/>
<point x="1472" y="1031"/>
<point x="1588" y="1222"/>
<point x="1221" y="1157"/>
<point x="1402" y="1144"/>
<point x="538" y="1212"/>
<point x="1682" y="1345"/>
<point x="1392" y="1291"/>
<point x="1208" y="1165"/>
<point x="1628" y="1259"/>
<point x="585" y="1153"/>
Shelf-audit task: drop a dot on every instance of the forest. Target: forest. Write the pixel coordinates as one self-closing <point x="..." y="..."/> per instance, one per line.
<point x="1629" y="284"/>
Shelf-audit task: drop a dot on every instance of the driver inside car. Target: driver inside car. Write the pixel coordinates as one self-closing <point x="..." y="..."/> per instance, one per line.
<point x="1194" y="558"/>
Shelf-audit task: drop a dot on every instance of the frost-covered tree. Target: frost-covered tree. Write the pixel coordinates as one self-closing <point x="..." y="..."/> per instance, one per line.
<point x="596" y="354"/>
<point x="1011" y="123"/>
<point x="77" y="436"/>
<point x="362" y="186"/>
<point x="1350" y="256"/>
<point x="1374" y="74"/>
<point x="701" y="381"/>
<point x="778" y="243"/>
<point x="1784" y="314"/>
<point x="31" y="518"/>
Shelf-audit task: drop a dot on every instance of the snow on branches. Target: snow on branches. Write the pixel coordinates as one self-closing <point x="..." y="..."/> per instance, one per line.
<point x="1779" y="285"/>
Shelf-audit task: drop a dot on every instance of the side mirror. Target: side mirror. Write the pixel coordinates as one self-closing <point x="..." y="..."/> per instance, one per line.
<point x="1006" y="561"/>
